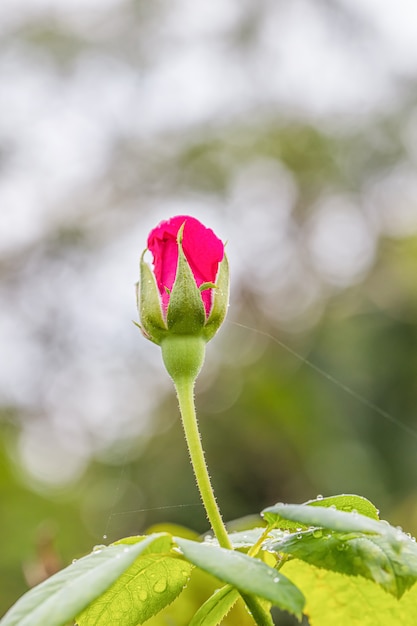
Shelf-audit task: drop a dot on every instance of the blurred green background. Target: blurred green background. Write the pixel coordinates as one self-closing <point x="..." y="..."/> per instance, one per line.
<point x="291" y="130"/>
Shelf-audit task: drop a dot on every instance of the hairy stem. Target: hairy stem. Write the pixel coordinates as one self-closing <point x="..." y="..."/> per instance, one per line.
<point x="185" y="393"/>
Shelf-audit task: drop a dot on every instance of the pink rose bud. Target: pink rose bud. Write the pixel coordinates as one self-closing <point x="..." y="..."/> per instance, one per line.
<point x="202" y="249"/>
<point x="186" y="294"/>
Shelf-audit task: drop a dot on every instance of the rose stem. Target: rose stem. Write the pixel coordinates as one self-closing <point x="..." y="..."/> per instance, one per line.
<point x="185" y="394"/>
<point x="260" y="614"/>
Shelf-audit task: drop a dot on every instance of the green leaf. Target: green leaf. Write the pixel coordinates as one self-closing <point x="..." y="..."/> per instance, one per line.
<point x="64" y="595"/>
<point x="349" y="503"/>
<point x="152" y="582"/>
<point x="321" y="517"/>
<point x="212" y="612"/>
<point x="389" y="559"/>
<point x="245" y="573"/>
<point x="199" y="589"/>
<point x="345" y="502"/>
<point x="334" y="598"/>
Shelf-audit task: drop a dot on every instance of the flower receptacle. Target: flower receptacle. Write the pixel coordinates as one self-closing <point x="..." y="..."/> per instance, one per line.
<point x="183" y="356"/>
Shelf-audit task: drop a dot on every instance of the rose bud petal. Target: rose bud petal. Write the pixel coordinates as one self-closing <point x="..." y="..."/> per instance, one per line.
<point x="202" y="248"/>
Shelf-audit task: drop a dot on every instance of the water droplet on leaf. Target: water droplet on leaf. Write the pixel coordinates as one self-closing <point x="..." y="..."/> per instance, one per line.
<point x="143" y="594"/>
<point x="160" y="586"/>
<point x="99" y="547"/>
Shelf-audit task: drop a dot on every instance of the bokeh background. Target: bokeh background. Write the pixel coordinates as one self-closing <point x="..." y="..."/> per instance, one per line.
<point x="290" y="128"/>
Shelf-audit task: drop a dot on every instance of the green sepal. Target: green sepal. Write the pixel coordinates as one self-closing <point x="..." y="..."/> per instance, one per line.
<point x="186" y="314"/>
<point x="220" y="301"/>
<point x="149" y="305"/>
<point x="206" y="286"/>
